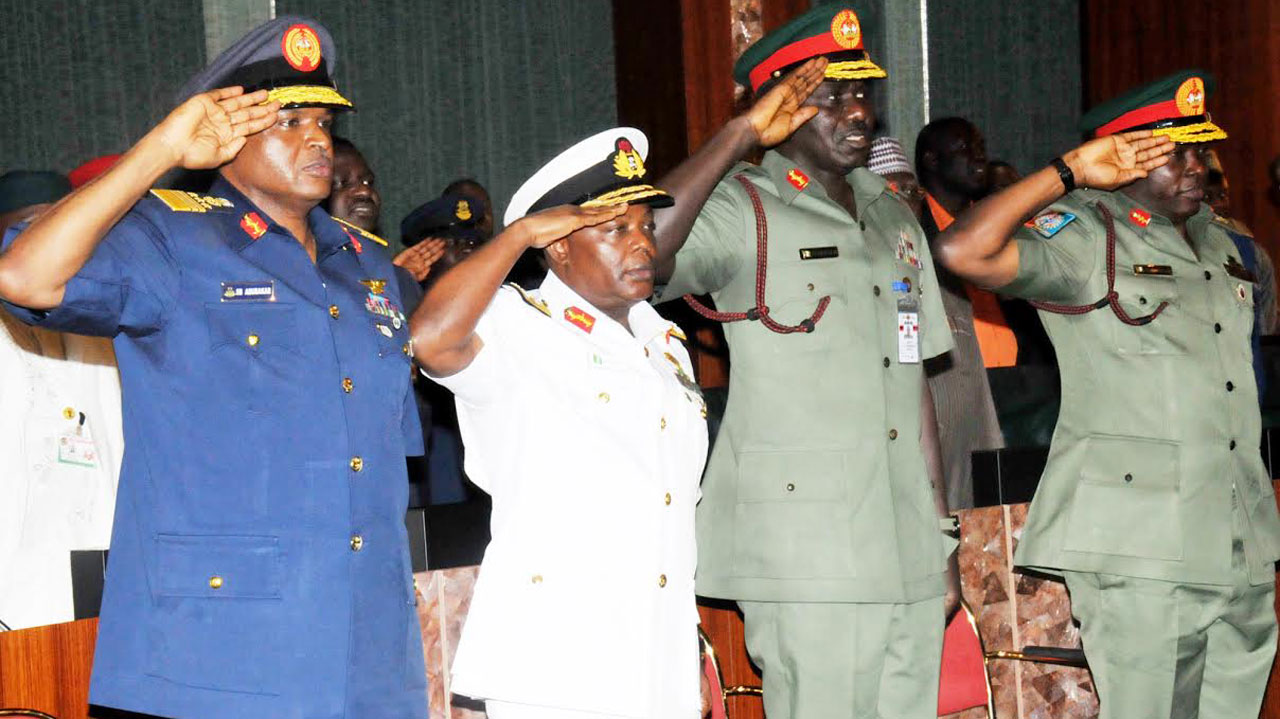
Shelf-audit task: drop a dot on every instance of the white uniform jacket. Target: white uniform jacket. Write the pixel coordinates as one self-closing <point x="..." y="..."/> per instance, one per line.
<point x="591" y="441"/>
<point x="61" y="441"/>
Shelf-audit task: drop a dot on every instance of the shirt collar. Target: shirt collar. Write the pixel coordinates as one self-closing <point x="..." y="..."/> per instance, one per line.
<point x="793" y="179"/>
<point x="1131" y="213"/>
<point x="646" y="323"/>
<point x="329" y="234"/>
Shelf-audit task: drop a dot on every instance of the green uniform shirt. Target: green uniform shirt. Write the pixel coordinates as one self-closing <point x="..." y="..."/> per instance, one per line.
<point x="1158" y="422"/>
<point x="816" y="489"/>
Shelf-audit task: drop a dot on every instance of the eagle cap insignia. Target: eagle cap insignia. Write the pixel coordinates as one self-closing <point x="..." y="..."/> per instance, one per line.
<point x="627" y="162"/>
<point x="798" y="179"/>
<point x="846" y="30"/>
<point x="463" y="210"/>
<point x="1190" y="96"/>
<point x="301" y="48"/>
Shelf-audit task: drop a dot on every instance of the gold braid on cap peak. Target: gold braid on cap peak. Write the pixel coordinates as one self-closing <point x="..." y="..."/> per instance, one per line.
<point x="624" y="195"/>
<point x="1199" y="132"/>
<point x="854" y="70"/>
<point x="307" y="95"/>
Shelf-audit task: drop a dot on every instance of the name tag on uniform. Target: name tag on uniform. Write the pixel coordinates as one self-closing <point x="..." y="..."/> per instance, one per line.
<point x="1161" y="270"/>
<point x="264" y="291"/>
<point x="1239" y="271"/>
<point x="908" y="331"/>
<point x="819" y="253"/>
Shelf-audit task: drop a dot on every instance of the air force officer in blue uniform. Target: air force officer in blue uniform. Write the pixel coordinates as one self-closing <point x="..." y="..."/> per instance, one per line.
<point x="259" y="563"/>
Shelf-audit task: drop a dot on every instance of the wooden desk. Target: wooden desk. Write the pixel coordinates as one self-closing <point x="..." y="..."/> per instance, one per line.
<point x="47" y="668"/>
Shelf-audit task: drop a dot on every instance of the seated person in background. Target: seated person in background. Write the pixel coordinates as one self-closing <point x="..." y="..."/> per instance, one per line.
<point x="584" y="424"/>
<point x="354" y="196"/>
<point x="61" y="440"/>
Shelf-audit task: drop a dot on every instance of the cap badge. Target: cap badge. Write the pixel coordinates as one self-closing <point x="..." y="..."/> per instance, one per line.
<point x="1190" y="96"/>
<point x="253" y="225"/>
<point x="627" y="163"/>
<point x="1141" y="218"/>
<point x="846" y="30"/>
<point x="579" y="319"/>
<point x="301" y="47"/>
<point x="463" y="211"/>
<point x="798" y="179"/>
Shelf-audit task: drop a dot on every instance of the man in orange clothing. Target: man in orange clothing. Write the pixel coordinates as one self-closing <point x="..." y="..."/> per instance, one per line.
<point x="951" y="160"/>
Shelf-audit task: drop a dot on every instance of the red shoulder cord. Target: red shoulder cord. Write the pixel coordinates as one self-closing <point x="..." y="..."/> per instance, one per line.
<point x="1112" y="298"/>
<point x="761" y="310"/>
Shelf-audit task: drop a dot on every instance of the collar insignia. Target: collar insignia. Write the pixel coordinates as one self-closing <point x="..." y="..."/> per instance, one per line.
<point x="580" y="319"/>
<point x="1141" y="218"/>
<point x="253" y="225"/>
<point x="798" y="179"/>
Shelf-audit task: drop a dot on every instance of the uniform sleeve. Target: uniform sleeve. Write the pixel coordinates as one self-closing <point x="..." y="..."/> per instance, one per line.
<point x="126" y="286"/>
<point x="494" y="370"/>
<point x="1057" y="268"/>
<point x="716" y="247"/>
<point x="935" y="330"/>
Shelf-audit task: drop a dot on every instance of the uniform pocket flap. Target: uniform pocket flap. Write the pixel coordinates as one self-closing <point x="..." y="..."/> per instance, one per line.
<point x="258" y="327"/>
<point x="1133" y="462"/>
<point x="813" y="476"/>
<point x="221" y="566"/>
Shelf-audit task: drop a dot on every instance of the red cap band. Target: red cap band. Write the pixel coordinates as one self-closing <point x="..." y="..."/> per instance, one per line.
<point x="798" y="51"/>
<point x="1167" y="110"/>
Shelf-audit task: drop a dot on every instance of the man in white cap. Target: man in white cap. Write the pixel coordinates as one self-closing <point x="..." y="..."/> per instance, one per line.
<point x="582" y="420"/>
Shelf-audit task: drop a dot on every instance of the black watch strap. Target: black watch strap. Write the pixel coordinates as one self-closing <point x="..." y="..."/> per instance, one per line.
<point x="1064" y="172"/>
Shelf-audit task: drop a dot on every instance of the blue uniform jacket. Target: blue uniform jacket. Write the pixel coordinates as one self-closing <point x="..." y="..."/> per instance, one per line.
<point x="259" y="562"/>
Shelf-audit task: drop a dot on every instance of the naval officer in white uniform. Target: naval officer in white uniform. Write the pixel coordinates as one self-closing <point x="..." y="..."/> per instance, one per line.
<point x="581" y="418"/>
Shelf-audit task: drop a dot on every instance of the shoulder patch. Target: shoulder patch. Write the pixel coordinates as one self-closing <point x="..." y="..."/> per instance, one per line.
<point x="363" y="233"/>
<point x="1049" y="224"/>
<point x="530" y="300"/>
<point x="181" y="201"/>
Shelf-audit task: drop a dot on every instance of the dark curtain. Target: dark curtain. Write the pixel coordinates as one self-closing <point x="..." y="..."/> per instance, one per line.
<point x="84" y="78"/>
<point x="1013" y="68"/>
<point x="489" y="89"/>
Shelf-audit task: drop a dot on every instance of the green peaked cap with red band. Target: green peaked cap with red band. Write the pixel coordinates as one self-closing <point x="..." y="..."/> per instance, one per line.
<point x="1176" y="106"/>
<point x="831" y="30"/>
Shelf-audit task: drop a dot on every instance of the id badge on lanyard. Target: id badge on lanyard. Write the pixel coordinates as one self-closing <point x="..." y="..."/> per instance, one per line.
<point x="908" y="330"/>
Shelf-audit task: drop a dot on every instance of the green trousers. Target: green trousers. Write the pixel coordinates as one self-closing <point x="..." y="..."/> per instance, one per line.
<point x="1162" y="650"/>
<point x="847" y="661"/>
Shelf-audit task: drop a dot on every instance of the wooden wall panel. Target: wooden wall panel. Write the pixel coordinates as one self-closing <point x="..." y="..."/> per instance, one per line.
<point x="1128" y="43"/>
<point x="47" y="668"/>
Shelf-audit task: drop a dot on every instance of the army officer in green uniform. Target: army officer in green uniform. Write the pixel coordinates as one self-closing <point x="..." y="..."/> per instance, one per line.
<point x="822" y="499"/>
<point x="1155" y="505"/>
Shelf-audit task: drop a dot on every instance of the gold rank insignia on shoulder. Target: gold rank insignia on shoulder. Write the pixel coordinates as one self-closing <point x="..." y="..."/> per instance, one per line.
<point x="375" y="286"/>
<point x="1161" y="270"/>
<point x="530" y="300"/>
<point x="363" y="232"/>
<point x="181" y="201"/>
<point x="677" y="333"/>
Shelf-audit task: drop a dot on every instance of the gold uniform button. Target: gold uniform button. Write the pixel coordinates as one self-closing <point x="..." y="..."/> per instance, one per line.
<point x="406" y="349"/>
<point x="357" y="464"/>
<point x="334" y="312"/>
<point x="347" y="385"/>
<point x="537" y="579"/>
<point x="252" y="339"/>
<point x="68" y="413"/>
<point x="603" y="397"/>
<point x="704" y="411"/>
<point x="215" y="582"/>
<point x="663" y="423"/>
<point x="893" y="434"/>
<point x="667" y="499"/>
<point x="357" y="542"/>
<point x="662" y="580"/>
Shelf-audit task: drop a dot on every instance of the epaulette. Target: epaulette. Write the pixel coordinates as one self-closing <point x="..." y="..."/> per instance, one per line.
<point x="182" y="201"/>
<point x="1231" y="227"/>
<point x="530" y="300"/>
<point x="363" y="232"/>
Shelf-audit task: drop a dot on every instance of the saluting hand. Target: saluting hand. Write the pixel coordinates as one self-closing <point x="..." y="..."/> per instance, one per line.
<point x="419" y="258"/>
<point x="543" y="228"/>
<point x="1109" y="162"/>
<point x="779" y="112"/>
<point x="209" y="129"/>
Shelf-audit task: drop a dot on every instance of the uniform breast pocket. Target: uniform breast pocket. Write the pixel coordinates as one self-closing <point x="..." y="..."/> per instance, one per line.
<point x="1140" y="297"/>
<point x="795" y="293"/>
<point x="255" y="347"/>
<point x="1127" y="499"/>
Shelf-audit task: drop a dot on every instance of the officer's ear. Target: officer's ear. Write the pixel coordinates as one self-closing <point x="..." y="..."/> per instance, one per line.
<point x="557" y="253"/>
